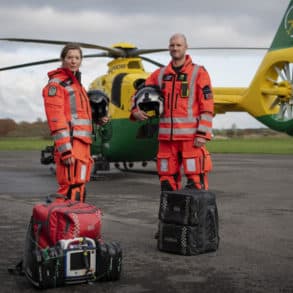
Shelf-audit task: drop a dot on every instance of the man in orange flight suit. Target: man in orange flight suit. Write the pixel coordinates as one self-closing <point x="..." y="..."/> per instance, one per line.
<point x="70" y="121"/>
<point x="186" y="123"/>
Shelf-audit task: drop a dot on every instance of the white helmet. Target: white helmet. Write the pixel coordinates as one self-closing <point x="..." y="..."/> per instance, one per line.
<point x="150" y="100"/>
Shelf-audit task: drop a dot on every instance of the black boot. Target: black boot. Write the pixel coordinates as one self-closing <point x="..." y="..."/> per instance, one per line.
<point x="190" y="184"/>
<point x="166" y="186"/>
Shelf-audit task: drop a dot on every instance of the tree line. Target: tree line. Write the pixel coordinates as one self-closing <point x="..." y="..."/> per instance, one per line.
<point x="10" y="128"/>
<point x="39" y="128"/>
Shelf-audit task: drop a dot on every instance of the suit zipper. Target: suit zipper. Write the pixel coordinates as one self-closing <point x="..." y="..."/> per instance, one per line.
<point x="176" y="100"/>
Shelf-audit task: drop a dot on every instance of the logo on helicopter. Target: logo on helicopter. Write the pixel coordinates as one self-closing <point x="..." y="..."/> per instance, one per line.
<point x="118" y="67"/>
<point x="288" y="22"/>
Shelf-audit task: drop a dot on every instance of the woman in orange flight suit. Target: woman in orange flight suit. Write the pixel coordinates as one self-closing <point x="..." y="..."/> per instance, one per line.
<point x="186" y="123"/>
<point x="69" y="118"/>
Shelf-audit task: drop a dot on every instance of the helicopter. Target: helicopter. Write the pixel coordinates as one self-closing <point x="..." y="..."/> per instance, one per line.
<point x="268" y="98"/>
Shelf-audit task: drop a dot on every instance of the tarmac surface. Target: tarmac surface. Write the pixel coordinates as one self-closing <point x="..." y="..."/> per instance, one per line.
<point x="255" y="203"/>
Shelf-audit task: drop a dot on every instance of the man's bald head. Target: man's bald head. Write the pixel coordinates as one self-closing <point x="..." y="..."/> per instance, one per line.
<point x="178" y="36"/>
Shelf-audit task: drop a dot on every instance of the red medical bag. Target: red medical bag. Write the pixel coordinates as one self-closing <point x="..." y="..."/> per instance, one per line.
<point x="65" y="219"/>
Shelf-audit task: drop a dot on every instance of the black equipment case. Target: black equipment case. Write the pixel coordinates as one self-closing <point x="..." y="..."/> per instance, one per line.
<point x="189" y="222"/>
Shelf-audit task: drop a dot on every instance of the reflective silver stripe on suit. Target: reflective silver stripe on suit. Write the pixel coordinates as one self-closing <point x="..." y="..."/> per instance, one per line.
<point x="179" y="120"/>
<point x="64" y="147"/>
<point x="72" y="98"/>
<point x="61" y="134"/>
<point x="206" y="117"/>
<point x="160" y="76"/>
<point x="177" y="130"/>
<point x="191" y="98"/>
<point x="203" y="128"/>
<point x="75" y="121"/>
<point x="57" y="80"/>
<point x="81" y="133"/>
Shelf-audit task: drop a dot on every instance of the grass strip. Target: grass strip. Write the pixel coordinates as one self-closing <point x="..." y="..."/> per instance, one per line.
<point x="23" y="143"/>
<point x="255" y="145"/>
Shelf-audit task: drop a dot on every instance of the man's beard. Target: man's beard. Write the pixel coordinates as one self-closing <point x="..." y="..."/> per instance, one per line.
<point x="176" y="57"/>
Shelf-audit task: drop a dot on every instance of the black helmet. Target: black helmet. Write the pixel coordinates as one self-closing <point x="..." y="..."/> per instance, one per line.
<point x="150" y="100"/>
<point x="99" y="104"/>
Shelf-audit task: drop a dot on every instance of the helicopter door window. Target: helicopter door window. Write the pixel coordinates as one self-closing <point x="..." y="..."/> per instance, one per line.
<point x="116" y="89"/>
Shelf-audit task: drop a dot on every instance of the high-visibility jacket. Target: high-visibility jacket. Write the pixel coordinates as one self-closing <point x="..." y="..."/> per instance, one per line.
<point x="188" y="101"/>
<point x="68" y="110"/>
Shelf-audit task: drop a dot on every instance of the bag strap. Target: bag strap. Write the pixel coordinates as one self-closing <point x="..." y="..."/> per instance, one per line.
<point x="17" y="269"/>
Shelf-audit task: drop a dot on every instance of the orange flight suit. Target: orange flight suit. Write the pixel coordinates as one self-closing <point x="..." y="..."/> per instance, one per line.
<point x="188" y="113"/>
<point x="69" y="118"/>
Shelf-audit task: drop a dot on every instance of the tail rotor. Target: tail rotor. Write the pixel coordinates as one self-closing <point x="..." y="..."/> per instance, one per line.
<point x="283" y="102"/>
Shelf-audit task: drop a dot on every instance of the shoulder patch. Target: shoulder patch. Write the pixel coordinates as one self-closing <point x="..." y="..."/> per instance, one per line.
<point x="52" y="91"/>
<point x="207" y="92"/>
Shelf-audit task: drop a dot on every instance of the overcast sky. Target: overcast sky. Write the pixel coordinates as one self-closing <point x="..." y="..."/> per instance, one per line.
<point x="147" y="24"/>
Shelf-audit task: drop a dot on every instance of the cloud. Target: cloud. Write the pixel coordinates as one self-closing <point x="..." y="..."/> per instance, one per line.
<point x="146" y="23"/>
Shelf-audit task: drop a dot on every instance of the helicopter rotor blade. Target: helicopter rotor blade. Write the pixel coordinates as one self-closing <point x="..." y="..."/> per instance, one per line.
<point x="228" y="48"/>
<point x="136" y="52"/>
<point x="29" y="64"/>
<point x="152" y="61"/>
<point x="103" y="54"/>
<point x="114" y="51"/>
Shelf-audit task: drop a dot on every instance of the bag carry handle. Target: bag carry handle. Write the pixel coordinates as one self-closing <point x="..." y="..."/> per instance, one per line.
<point x="51" y="197"/>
